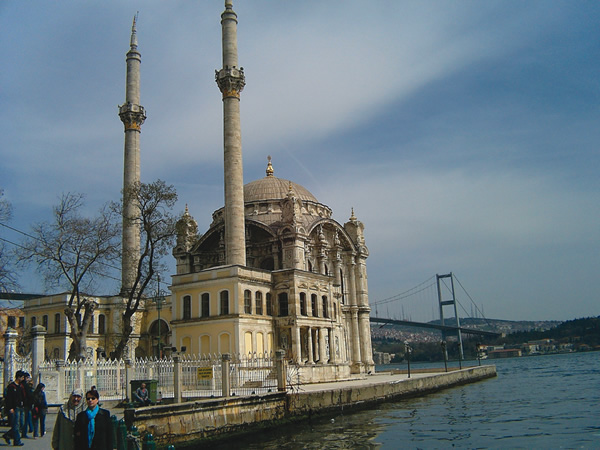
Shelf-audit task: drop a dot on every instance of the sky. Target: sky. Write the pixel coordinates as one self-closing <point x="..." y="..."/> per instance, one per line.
<point x="464" y="134"/>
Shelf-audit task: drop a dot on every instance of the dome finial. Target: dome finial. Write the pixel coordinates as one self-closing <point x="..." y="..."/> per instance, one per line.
<point x="352" y="216"/>
<point x="269" y="167"/>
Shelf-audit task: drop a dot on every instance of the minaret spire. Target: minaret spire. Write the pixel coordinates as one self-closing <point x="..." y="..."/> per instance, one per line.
<point x="132" y="115"/>
<point x="231" y="82"/>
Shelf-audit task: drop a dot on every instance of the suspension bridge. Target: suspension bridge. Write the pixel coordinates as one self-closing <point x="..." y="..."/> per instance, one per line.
<point x="443" y="288"/>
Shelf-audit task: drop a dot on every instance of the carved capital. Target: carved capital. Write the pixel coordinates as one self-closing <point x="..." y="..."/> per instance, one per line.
<point x="132" y="116"/>
<point x="231" y="81"/>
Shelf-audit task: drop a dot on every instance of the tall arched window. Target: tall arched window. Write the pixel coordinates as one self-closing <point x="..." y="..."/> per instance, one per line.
<point x="283" y="304"/>
<point x="57" y="323"/>
<point x="247" y="302"/>
<point x="91" y="329"/>
<point x="205" y="304"/>
<point x="224" y="303"/>
<point x="313" y="305"/>
<point x="33" y="321"/>
<point x="325" y="307"/>
<point x="45" y="322"/>
<point x="101" y="324"/>
<point x="302" y="304"/>
<point x="258" y="304"/>
<point x="269" y="302"/>
<point x="187" y="307"/>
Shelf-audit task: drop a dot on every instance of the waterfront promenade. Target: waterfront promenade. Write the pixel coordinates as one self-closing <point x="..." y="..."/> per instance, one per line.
<point x="318" y="397"/>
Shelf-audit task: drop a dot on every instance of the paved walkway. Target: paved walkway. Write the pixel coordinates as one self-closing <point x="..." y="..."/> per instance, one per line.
<point x="45" y="442"/>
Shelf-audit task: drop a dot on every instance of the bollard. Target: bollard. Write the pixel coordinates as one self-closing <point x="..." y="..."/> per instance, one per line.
<point x="149" y="443"/>
<point x="122" y="435"/>
<point x="114" y="429"/>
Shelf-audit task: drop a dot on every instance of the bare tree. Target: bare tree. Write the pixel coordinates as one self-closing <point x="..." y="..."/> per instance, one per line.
<point x="155" y="202"/>
<point x="71" y="252"/>
<point x="8" y="278"/>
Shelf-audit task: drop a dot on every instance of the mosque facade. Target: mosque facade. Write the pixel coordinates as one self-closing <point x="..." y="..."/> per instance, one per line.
<point x="274" y="270"/>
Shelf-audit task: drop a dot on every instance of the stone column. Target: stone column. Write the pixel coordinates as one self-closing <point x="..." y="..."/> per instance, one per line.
<point x="128" y="378"/>
<point x="10" y="348"/>
<point x="281" y="370"/>
<point x="225" y="380"/>
<point x="322" y="346"/>
<point x="310" y="346"/>
<point x="297" y="344"/>
<point x="231" y="82"/>
<point x="132" y="115"/>
<point x="332" y="355"/>
<point x="177" y="379"/>
<point x="38" y="334"/>
<point x="60" y="381"/>
<point x="355" y="335"/>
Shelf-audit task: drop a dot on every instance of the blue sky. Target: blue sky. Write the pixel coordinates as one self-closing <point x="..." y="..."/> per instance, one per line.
<point x="464" y="134"/>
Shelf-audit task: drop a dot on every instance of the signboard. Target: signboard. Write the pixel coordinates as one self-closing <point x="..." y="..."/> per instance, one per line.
<point x="205" y="373"/>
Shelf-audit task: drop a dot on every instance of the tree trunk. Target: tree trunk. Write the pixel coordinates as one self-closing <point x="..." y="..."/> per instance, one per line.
<point x="126" y="330"/>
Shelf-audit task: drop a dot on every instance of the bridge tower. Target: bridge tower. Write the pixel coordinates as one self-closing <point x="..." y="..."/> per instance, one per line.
<point x="450" y="302"/>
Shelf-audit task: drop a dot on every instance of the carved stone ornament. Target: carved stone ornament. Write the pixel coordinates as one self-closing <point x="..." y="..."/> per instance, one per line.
<point x="231" y="81"/>
<point x="132" y="116"/>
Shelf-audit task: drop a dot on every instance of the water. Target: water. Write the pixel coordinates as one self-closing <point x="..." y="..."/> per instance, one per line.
<point x="535" y="402"/>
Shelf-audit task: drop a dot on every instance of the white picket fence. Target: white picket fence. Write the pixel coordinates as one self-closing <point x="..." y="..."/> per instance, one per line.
<point x="201" y="376"/>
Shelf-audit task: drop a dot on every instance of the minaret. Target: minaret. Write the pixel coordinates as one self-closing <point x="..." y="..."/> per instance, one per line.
<point x="132" y="115"/>
<point x="231" y="81"/>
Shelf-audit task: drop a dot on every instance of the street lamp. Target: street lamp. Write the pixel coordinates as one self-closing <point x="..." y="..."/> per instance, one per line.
<point x="159" y="300"/>
<point x="408" y="351"/>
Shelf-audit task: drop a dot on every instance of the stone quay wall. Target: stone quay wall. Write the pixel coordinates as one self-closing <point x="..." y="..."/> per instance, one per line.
<point x="204" y="419"/>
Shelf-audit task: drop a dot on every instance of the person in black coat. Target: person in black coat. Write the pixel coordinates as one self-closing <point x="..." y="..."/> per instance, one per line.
<point x="93" y="426"/>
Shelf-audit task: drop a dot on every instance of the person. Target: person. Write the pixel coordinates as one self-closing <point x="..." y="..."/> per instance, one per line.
<point x="12" y="403"/>
<point x="93" y="426"/>
<point x="63" y="434"/>
<point x="27" y="420"/>
<point x="142" y="395"/>
<point x="40" y="409"/>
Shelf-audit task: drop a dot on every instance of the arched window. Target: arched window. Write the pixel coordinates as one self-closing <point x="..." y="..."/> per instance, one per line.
<point x="91" y="329"/>
<point x="325" y="307"/>
<point x="205" y="304"/>
<point x="302" y="304"/>
<point x="313" y="305"/>
<point x="33" y="321"/>
<point x="326" y="269"/>
<point x="224" y="303"/>
<point x="283" y="304"/>
<point x="247" y="302"/>
<point x="101" y="324"/>
<point x="309" y="266"/>
<point x="269" y="304"/>
<point x="57" y="323"/>
<point x="12" y="321"/>
<point x="45" y="322"/>
<point x="187" y="307"/>
<point x="258" y="304"/>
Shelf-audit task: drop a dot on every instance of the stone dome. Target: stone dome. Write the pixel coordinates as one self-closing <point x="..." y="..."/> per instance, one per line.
<point x="273" y="188"/>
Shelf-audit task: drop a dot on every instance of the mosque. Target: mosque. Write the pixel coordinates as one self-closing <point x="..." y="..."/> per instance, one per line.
<point x="273" y="271"/>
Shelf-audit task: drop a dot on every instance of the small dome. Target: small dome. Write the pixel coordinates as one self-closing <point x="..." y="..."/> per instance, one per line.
<point x="273" y="188"/>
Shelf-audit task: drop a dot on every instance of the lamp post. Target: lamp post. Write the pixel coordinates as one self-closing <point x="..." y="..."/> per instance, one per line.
<point x="445" y="353"/>
<point x="408" y="351"/>
<point x="159" y="299"/>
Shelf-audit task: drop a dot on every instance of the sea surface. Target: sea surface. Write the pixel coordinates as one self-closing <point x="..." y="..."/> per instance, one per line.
<point x="543" y="402"/>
